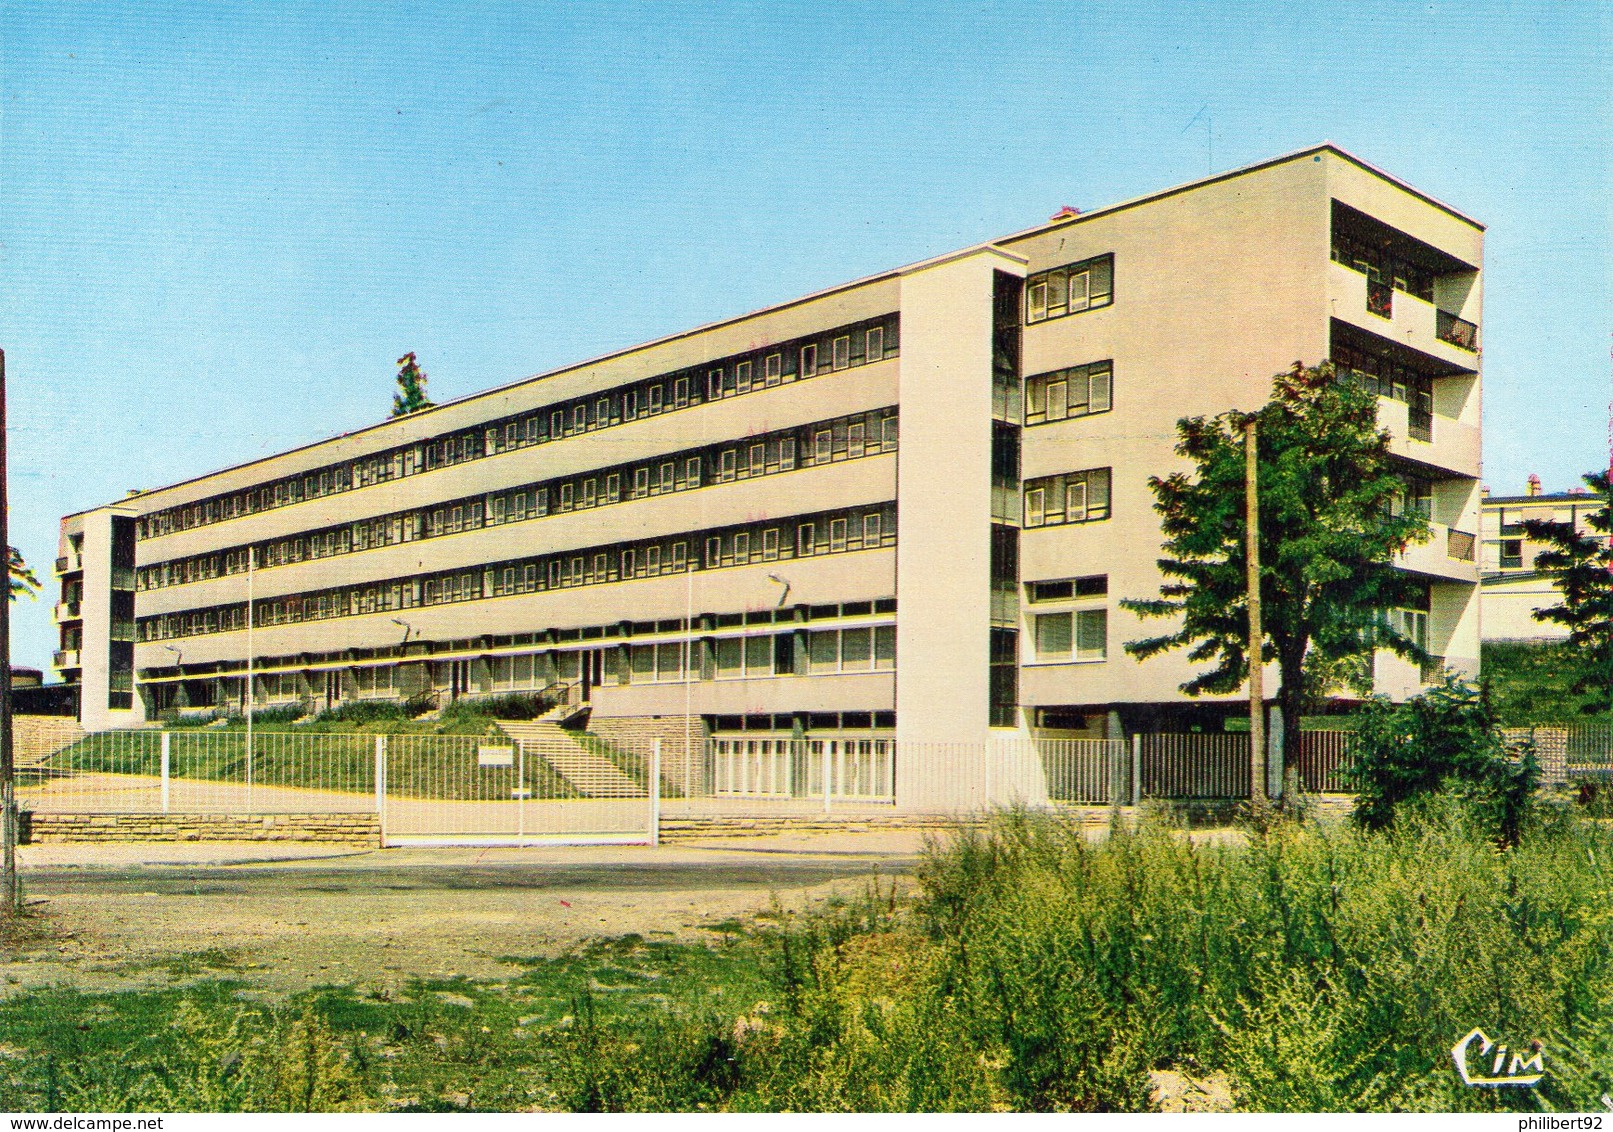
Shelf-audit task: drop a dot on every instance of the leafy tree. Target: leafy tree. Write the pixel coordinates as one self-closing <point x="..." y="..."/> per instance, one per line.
<point x="1581" y="564"/>
<point x="1330" y="526"/>
<point x="1444" y="740"/>
<point x="412" y="382"/>
<point x="23" y="579"/>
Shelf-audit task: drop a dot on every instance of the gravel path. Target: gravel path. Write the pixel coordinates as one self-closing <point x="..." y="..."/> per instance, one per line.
<point x="284" y="918"/>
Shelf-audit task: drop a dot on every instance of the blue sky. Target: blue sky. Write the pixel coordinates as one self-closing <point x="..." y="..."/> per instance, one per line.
<point x="220" y="224"/>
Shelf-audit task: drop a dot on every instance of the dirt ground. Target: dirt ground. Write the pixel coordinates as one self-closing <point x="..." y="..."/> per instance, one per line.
<point x="285" y="918"/>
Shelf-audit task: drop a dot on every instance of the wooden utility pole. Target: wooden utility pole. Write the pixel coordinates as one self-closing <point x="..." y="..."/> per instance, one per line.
<point x="10" y="893"/>
<point x="1257" y="688"/>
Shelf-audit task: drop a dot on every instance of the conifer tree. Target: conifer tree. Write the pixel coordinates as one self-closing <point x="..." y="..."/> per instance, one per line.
<point x="1581" y="565"/>
<point x="412" y="383"/>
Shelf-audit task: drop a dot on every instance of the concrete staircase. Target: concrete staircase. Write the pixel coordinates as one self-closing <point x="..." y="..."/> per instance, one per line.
<point x="591" y="775"/>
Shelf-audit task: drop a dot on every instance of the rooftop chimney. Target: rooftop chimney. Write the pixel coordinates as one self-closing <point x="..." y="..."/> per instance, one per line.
<point x="1534" y="484"/>
<point x="1065" y="213"/>
<point x="1484" y="490"/>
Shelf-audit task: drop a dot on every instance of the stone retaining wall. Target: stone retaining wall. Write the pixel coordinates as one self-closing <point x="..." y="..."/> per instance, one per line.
<point x="334" y="829"/>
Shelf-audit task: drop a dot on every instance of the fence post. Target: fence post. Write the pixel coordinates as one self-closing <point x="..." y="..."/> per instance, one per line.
<point x="1117" y="773"/>
<point x="1136" y="768"/>
<point x="655" y="791"/>
<point x="1277" y="754"/>
<point x="380" y="783"/>
<point x="520" y="790"/>
<point x="166" y="736"/>
<point x="828" y="764"/>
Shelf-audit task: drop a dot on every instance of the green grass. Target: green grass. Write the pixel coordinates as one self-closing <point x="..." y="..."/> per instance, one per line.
<point x="416" y="766"/>
<point x="1528" y="685"/>
<point x="207" y="1046"/>
<point x="1312" y="967"/>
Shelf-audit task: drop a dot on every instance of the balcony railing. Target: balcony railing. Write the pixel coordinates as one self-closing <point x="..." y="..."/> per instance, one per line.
<point x="1380" y="299"/>
<point x="122" y="631"/>
<point x="67" y="611"/>
<point x="120" y="682"/>
<point x="69" y="564"/>
<point x="123" y="577"/>
<point x="1459" y="332"/>
<point x="1459" y="545"/>
<point x="1420" y="424"/>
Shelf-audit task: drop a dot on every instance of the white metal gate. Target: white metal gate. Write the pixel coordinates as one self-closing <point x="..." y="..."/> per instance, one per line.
<point x="474" y="790"/>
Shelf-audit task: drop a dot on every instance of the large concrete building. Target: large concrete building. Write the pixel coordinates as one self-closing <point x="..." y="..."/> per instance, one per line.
<point x="1513" y="588"/>
<point x="907" y="506"/>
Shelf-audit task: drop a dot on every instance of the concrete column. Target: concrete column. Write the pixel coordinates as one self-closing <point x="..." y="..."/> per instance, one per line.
<point x="95" y="606"/>
<point x="944" y="468"/>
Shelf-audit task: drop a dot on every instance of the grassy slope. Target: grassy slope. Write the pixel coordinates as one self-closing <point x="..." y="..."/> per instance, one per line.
<point x="1528" y="685"/>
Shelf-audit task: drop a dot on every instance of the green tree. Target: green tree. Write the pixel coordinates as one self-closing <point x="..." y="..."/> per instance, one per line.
<point x="1331" y="522"/>
<point x="1443" y="741"/>
<point x="412" y="383"/>
<point x="1581" y="565"/>
<point x="23" y="579"/>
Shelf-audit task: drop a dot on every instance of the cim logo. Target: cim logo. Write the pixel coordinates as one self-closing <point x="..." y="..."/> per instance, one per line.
<point x="1519" y="1073"/>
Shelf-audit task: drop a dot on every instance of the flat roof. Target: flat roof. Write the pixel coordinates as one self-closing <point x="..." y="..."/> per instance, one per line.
<point x="1106" y="210"/>
<point x="1552" y="497"/>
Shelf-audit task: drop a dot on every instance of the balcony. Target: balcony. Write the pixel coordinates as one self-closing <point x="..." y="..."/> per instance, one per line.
<point x="1460" y="545"/>
<point x="122" y="631"/>
<point x="66" y="611"/>
<point x="1445" y="443"/>
<point x="1459" y="332"/>
<point x="1449" y="555"/>
<point x="64" y="659"/>
<point x="120" y="682"/>
<point x="70" y="564"/>
<point x="123" y="577"/>
<point x="1399" y="316"/>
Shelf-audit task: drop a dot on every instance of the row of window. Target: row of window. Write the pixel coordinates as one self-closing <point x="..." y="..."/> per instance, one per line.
<point x="1070" y="289"/>
<point x="827" y="533"/>
<point x="587" y="635"/>
<point x="1384" y="376"/>
<point x="1416" y="496"/>
<point x="1382" y="266"/>
<point x="1075" y="392"/>
<point x="1074" y="497"/>
<point x="844" y="438"/>
<point x="1064" y="589"/>
<point x="825" y="652"/>
<point x="842" y="348"/>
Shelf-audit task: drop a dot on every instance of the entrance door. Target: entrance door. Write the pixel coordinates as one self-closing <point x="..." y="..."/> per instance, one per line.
<point x="333" y="687"/>
<point x="593" y="672"/>
<point x="459" y="678"/>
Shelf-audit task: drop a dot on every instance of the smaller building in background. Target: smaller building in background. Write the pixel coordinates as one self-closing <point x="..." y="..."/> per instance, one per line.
<point x="1512" y="588"/>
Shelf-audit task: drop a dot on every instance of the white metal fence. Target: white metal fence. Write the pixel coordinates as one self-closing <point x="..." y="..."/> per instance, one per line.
<point x="424" y="787"/>
<point x="556" y="786"/>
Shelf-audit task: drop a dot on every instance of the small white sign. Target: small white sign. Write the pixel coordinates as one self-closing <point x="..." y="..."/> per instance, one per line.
<point x="495" y="756"/>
